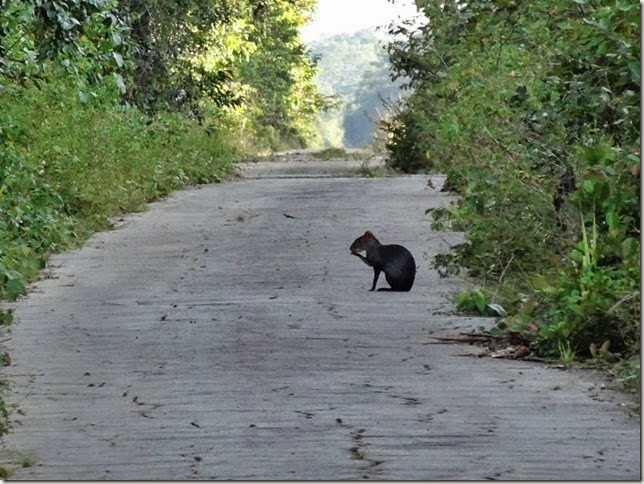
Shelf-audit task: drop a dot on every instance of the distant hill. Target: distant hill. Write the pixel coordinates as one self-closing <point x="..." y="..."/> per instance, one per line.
<point x="355" y="68"/>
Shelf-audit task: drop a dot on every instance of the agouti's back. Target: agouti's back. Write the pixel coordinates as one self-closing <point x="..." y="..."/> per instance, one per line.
<point x="394" y="260"/>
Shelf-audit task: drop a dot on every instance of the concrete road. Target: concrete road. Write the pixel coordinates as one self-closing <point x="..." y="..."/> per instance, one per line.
<point x="227" y="333"/>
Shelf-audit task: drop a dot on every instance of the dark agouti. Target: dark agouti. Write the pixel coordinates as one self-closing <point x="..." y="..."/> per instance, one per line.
<point x="394" y="260"/>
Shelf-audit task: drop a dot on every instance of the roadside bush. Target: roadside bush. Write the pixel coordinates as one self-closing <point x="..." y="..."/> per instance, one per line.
<point x="532" y="110"/>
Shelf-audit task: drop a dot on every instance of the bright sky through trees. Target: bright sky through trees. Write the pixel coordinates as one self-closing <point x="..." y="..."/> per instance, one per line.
<point x="346" y="16"/>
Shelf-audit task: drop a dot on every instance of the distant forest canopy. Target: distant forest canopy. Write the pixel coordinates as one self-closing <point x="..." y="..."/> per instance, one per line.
<point x="355" y="69"/>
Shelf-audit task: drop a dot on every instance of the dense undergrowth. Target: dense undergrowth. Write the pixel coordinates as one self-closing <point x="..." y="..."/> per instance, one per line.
<point x="532" y="109"/>
<point x="67" y="167"/>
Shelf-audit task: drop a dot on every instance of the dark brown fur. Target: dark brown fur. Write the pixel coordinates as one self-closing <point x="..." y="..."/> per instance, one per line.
<point x="394" y="260"/>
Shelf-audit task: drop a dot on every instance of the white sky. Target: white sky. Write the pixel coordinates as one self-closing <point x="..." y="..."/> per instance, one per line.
<point x="345" y="16"/>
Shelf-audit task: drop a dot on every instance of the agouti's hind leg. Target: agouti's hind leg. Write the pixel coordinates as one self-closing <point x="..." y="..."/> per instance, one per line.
<point x="376" y="274"/>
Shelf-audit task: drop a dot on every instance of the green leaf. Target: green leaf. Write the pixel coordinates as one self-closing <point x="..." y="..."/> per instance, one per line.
<point x="497" y="308"/>
<point x="480" y="302"/>
<point x="630" y="247"/>
<point x="539" y="282"/>
<point x="589" y="186"/>
<point x="118" y="59"/>
<point x="634" y="67"/>
<point x="6" y="317"/>
<point x="612" y="219"/>
<point x="14" y="288"/>
<point x="120" y="83"/>
<point x="116" y="38"/>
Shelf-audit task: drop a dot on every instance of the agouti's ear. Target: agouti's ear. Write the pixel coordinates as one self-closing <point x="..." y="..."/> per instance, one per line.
<point x="368" y="234"/>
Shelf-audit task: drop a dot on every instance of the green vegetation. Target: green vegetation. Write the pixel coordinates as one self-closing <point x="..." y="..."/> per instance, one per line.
<point x="532" y="109"/>
<point x="69" y="166"/>
<point x="476" y="301"/>
<point x="110" y="104"/>
<point x="27" y="461"/>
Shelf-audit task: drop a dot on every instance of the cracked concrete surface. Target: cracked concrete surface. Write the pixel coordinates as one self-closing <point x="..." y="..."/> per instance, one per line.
<point x="227" y="333"/>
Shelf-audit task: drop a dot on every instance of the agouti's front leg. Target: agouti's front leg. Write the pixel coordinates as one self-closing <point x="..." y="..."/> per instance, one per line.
<point x="364" y="259"/>
<point x="376" y="274"/>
